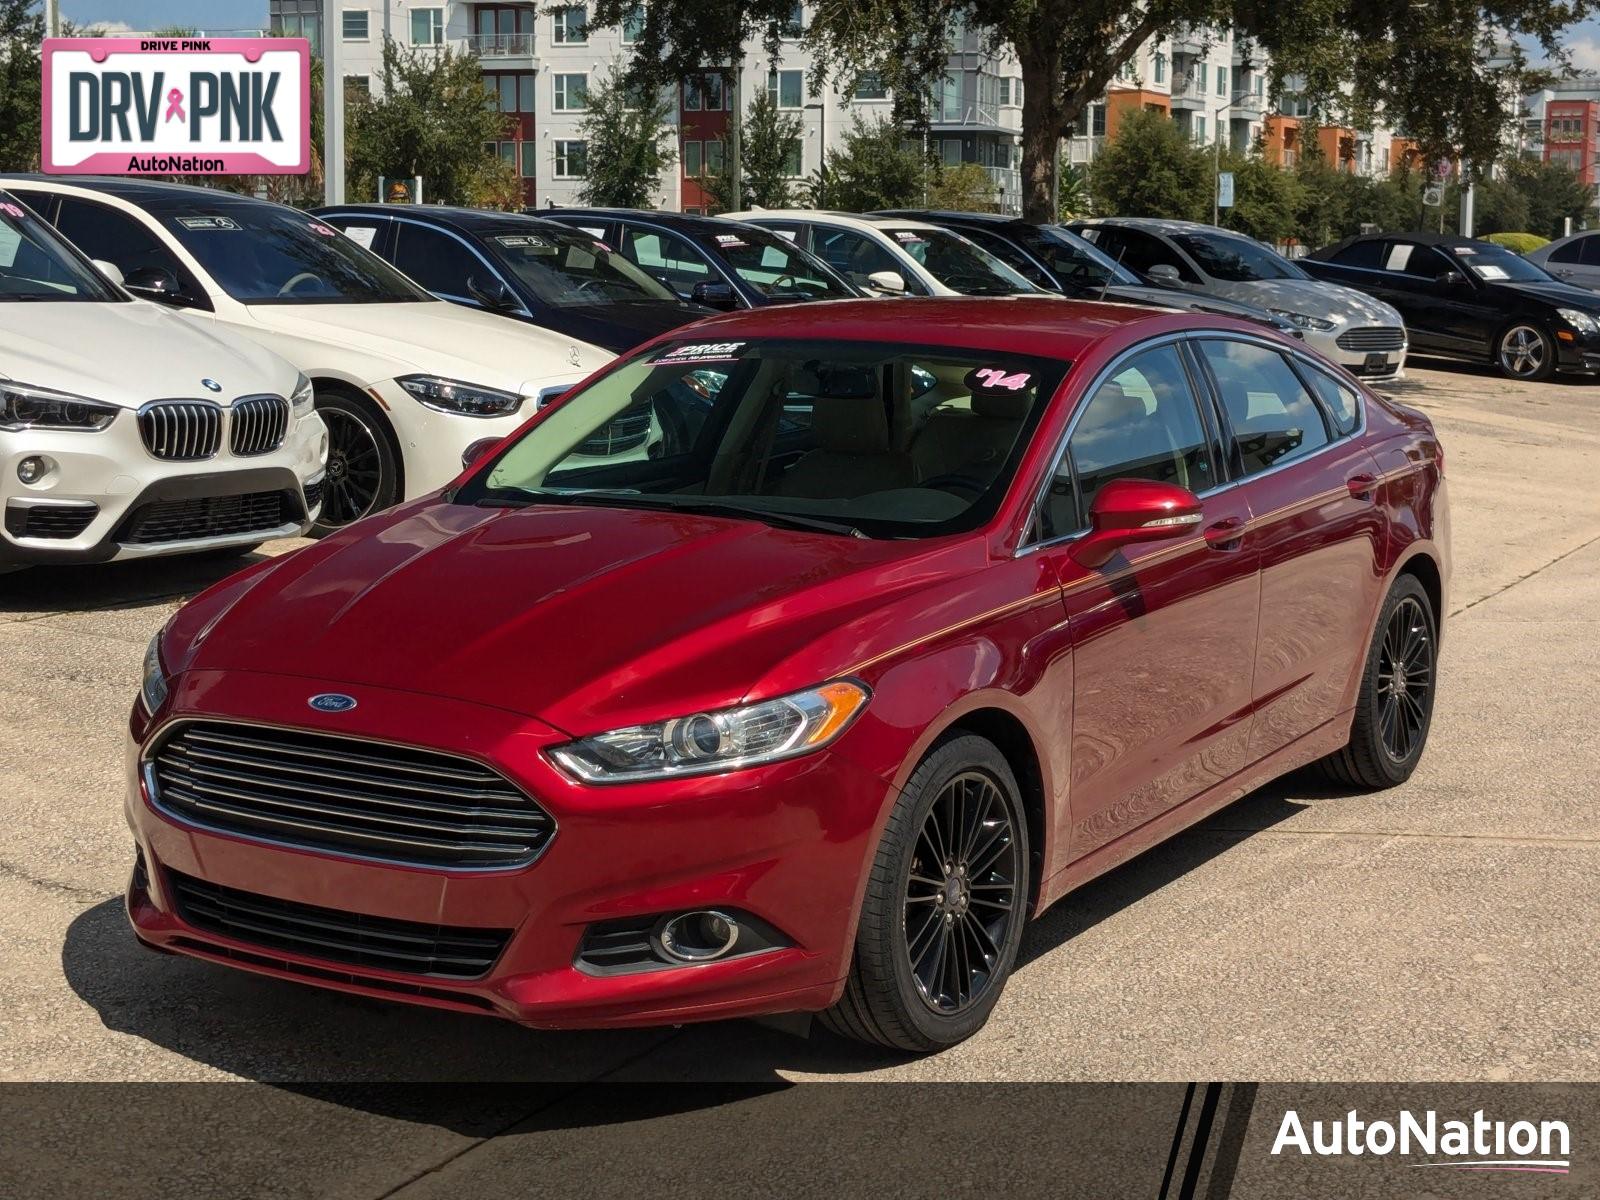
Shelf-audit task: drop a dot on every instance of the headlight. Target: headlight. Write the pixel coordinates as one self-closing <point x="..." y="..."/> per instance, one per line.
<point x="1579" y="320"/>
<point x="725" y="740"/>
<point x="466" y="399"/>
<point x="304" y="397"/>
<point x="1305" y="320"/>
<point x="153" y="691"/>
<point x="24" y="407"/>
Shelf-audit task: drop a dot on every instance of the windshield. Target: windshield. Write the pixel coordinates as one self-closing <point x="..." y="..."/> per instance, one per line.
<point x="776" y="267"/>
<point x="865" y="439"/>
<point x="1236" y="259"/>
<point x="1072" y="259"/>
<point x="959" y="264"/>
<point x="36" y="265"/>
<point x="268" y="254"/>
<point x="564" y="267"/>
<point x="1496" y="264"/>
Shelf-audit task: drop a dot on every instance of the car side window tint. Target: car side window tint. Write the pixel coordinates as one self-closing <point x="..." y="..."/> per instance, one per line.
<point x="1362" y="254"/>
<point x="1141" y="251"/>
<point x="1011" y="256"/>
<point x="1424" y="262"/>
<point x="672" y="261"/>
<point x="1273" y="417"/>
<point x="854" y="255"/>
<point x="1591" y="250"/>
<point x="436" y="260"/>
<point x="118" y="238"/>
<point x="1142" y="423"/>
<point x="1340" y="399"/>
<point x="1570" y="253"/>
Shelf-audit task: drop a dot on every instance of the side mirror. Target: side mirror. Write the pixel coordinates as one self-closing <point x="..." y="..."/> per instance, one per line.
<point x="1127" y="511"/>
<point x="153" y="283"/>
<point x="1449" y="278"/>
<point x="1165" y="274"/>
<point x="890" y="282"/>
<point x="714" y="295"/>
<point x="492" y="292"/>
<point x="109" y="269"/>
<point x="477" y="450"/>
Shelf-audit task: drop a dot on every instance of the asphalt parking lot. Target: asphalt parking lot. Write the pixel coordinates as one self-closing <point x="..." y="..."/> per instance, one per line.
<point x="1440" y="931"/>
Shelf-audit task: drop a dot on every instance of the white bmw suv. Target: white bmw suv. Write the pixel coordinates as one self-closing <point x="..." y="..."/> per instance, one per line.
<point x="126" y="431"/>
<point x="405" y="382"/>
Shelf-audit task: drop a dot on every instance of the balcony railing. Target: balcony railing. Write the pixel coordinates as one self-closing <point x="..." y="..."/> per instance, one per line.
<point x="501" y="45"/>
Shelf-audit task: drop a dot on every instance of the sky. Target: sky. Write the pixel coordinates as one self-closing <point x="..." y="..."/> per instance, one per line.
<point x="1583" y="40"/>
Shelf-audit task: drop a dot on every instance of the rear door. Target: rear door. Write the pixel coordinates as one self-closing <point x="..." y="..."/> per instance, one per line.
<point x="445" y="263"/>
<point x="1577" y="262"/>
<point x="1442" y="304"/>
<point x="1164" y="634"/>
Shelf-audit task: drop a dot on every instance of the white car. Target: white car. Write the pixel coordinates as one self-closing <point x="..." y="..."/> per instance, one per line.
<point x="894" y="256"/>
<point x="405" y="382"/>
<point x="1364" y="336"/>
<point x="127" y="431"/>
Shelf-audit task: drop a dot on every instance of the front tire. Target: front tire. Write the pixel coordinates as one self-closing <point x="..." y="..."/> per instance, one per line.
<point x="1394" y="709"/>
<point x="944" y="907"/>
<point x="1525" y="351"/>
<point x="363" y="473"/>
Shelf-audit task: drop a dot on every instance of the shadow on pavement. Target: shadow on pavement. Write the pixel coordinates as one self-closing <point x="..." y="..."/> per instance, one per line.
<point x="104" y="587"/>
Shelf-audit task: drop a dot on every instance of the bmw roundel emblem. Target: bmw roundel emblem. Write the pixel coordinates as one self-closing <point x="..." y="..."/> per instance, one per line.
<point x="211" y="384"/>
<point x="332" y="702"/>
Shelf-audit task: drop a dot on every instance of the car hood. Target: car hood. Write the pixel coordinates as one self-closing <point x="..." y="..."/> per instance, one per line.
<point x="1564" y="294"/>
<point x="439" y="339"/>
<point x="586" y="618"/>
<point x="621" y="325"/>
<point x="127" y="354"/>
<point x="1314" y="298"/>
<point x="1193" y="301"/>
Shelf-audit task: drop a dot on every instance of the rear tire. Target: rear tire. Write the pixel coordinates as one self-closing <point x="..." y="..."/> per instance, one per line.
<point x="1394" y="709"/>
<point x="363" y="473"/>
<point x="945" y="904"/>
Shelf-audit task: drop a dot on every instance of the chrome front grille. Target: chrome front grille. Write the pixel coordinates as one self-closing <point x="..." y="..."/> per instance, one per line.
<point x="257" y="425"/>
<point x="1372" y="338"/>
<point x="346" y="796"/>
<point x="181" y="430"/>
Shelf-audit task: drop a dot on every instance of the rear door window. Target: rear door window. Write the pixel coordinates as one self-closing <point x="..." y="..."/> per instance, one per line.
<point x="670" y="259"/>
<point x="439" y="262"/>
<point x="1273" y="418"/>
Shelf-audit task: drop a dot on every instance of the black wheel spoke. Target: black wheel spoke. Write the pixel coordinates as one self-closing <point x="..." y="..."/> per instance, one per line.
<point x="1404" y="679"/>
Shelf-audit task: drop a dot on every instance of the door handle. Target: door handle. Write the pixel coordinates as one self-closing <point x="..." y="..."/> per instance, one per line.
<point x="1362" y="486"/>
<point x="1227" y="534"/>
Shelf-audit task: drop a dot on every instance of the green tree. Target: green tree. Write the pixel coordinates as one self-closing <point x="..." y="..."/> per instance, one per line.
<point x="875" y="168"/>
<point x="1150" y="169"/>
<point x="433" y="121"/>
<point x="963" y="188"/>
<point x="1266" y="198"/>
<point x="1072" y="192"/>
<point x="1499" y="206"/>
<point x="1553" y="193"/>
<point x="21" y="29"/>
<point x="1432" y="68"/>
<point x="770" y="146"/>
<point x="626" y="152"/>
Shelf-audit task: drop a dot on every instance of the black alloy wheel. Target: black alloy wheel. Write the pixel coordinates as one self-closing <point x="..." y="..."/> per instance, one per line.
<point x="361" y="473"/>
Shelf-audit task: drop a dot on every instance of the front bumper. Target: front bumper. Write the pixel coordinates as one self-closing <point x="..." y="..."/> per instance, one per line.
<point x="787" y="844"/>
<point x="1365" y="364"/>
<point x="1577" y="353"/>
<point x="103" y="492"/>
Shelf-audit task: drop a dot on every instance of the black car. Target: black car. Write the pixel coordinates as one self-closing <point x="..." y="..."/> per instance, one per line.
<point x="721" y="264"/>
<point x="538" y="271"/>
<point x="1473" y="300"/>
<point x="1059" y="260"/>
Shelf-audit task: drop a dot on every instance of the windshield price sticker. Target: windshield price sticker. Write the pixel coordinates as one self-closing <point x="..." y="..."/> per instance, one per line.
<point x="700" y="352"/>
<point x="1488" y="271"/>
<point x="997" y="379"/>
<point x="521" y="241"/>
<point x="906" y="235"/>
<point x="207" y="222"/>
<point x="730" y="240"/>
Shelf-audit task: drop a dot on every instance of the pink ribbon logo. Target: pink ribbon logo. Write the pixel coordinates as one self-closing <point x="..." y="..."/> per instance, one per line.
<point x="175" y="105"/>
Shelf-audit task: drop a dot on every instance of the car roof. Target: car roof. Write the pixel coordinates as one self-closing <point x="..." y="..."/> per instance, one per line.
<point x="1045" y="325"/>
<point x="1165" y="225"/>
<point x="1444" y="241"/>
<point x="466" y="220"/>
<point x="940" y="216"/>
<point x="691" y="223"/>
<point x="812" y="215"/>
<point x="146" y="193"/>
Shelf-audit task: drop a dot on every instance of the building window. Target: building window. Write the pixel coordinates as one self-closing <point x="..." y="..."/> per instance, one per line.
<point x="871" y="87"/>
<point x="793" y="165"/>
<point x="1222" y="81"/>
<point x="354" y="28"/>
<point x="946" y="99"/>
<point x="530" y="160"/>
<point x="572" y="92"/>
<point x="713" y="158"/>
<point x="357" y="85"/>
<point x="427" y="26"/>
<point x="786" y="88"/>
<point x="692" y="162"/>
<point x="300" y="25"/>
<point x="950" y="151"/>
<point x="1198" y="128"/>
<point x="705" y="92"/>
<point x="571" y="26"/>
<point x="1097" y="120"/>
<point x="1005" y="92"/>
<point x="633" y="25"/>
<point x="1160" y="68"/>
<point x="795" y="25"/>
<point x="572" y="159"/>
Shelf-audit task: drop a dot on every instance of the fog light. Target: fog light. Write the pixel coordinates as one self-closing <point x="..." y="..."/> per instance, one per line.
<point x="32" y="469"/>
<point x="699" y="936"/>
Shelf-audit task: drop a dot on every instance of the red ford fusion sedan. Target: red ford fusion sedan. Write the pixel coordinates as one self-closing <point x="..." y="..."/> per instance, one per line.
<point x="902" y="621"/>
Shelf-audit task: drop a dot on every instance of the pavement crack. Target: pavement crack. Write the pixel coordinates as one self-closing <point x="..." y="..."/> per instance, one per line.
<point x="1524" y="578"/>
<point x="9" y="870"/>
<point x="1418" y="835"/>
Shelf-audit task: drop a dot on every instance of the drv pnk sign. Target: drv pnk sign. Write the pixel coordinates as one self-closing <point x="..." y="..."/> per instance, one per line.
<point x="166" y="106"/>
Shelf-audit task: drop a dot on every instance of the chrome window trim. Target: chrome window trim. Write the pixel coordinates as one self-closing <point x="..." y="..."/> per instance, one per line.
<point x="1294" y="353"/>
<point x="624" y="224"/>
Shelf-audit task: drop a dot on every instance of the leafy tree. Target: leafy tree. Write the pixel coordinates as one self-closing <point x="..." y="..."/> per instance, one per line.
<point x="1499" y="206"/>
<point x="1553" y="192"/>
<point x="1440" y="70"/>
<point x="876" y="168"/>
<point x="496" y="184"/>
<point x="1328" y="202"/>
<point x="963" y="188"/>
<point x="1266" y="198"/>
<point x="21" y="29"/>
<point x="434" y="121"/>
<point x="1073" y="192"/>
<point x="769" y="144"/>
<point x="626" y="153"/>
<point x="1151" y="169"/>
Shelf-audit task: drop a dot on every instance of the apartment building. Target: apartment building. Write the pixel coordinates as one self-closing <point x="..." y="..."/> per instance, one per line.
<point x="1561" y="124"/>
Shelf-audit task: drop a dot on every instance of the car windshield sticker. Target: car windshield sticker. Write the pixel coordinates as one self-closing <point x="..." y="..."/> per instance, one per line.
<point x="361" y="235"/>
<point x="1464" y="250"/>
<point x="700" y="352"/>
<point x="786" y="234"/>
<point x="730" y="240"/>
<point x="208" y="222"/>
<point x="1399" y="256"/>
<point x="908" y="235"/>
<point x="996" y="379"/>
<point x="11" y="210"/>
<point x="1488" y="272"/>
<point x="521" y="241"/>
<point x="319" y="228"/>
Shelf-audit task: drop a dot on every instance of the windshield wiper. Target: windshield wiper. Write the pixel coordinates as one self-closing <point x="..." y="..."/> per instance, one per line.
<point x="608" y="498"/>
<point x="788" y="520"/>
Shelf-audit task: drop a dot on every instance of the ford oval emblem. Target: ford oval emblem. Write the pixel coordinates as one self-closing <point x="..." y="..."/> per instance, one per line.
<point x="332" y="702"/>
<point x="212" y="384"/>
